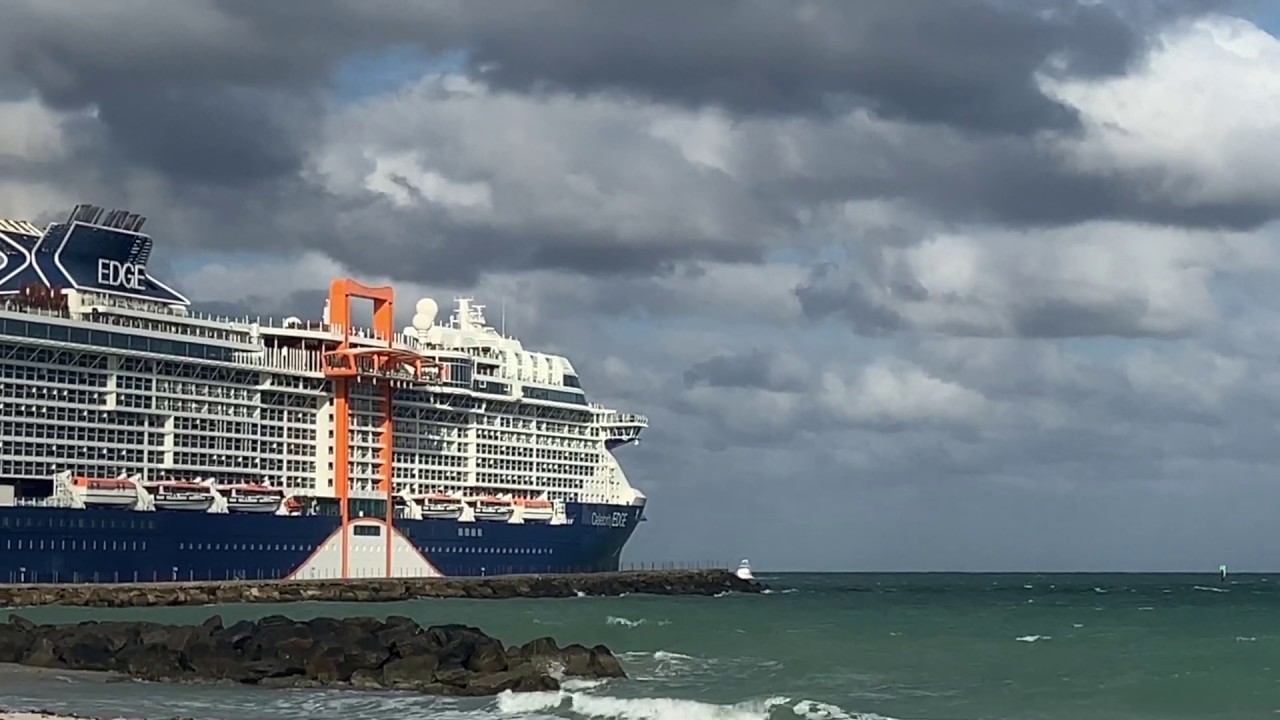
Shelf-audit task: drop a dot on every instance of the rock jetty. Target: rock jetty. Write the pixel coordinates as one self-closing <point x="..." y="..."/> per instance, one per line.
<point x="654" y="582"/>
<point x="276" y="651"/>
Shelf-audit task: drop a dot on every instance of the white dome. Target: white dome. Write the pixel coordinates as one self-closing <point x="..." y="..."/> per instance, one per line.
<point x="428" y="307"/>
<point x="411" y="332"/>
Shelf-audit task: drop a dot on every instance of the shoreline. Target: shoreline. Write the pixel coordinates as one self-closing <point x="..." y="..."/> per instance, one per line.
<point x="495" y="587"/>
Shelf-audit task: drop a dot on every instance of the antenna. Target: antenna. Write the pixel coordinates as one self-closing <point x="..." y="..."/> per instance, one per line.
<point x="504" y="316"/>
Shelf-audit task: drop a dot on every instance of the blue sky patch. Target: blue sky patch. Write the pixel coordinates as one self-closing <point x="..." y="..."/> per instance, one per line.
<point x="387" y="70"/>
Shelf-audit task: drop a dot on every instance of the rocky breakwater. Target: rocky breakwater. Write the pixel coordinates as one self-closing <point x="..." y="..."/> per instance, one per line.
<point x="360" y="653"/>
<point x="654" y="582"/>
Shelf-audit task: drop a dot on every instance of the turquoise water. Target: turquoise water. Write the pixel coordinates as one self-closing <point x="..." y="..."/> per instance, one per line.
<point x="913" y="647"/>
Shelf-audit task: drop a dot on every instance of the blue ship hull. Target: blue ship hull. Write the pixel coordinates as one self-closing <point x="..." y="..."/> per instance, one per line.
<point x="46" y="545"/>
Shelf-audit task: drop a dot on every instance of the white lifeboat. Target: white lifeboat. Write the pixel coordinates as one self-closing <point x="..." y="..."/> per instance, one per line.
<point x="744" y="570"/>
<point x="493" y="508"/>
<point x="440" y="506"/>
<point x="106" y="492"/>
<point x="180" y="495"/>
<point x="252" y="498"/>
<point x="535" y="510"/>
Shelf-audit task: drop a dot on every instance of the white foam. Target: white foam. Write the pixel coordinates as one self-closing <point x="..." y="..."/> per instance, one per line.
<point x="655" y="708"/>
<point x="662" y="655"/>
<point x="1209" y="589"/>
<point x="1033" y="638"/>
<point x="627" y="622"/>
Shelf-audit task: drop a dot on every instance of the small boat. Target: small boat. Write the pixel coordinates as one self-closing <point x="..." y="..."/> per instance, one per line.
<point x="744" y="571"/>
<point x="252" y="498"/>
<point x="442" y="507"/>
<point x="535" y="510"/>
<point x="493" y="509"/>
<point x="179" y="495"/>
<point x="107" y="492"/>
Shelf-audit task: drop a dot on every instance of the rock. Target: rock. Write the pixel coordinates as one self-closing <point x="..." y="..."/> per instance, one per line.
<point x="279" y="652"/>
<point x="656" y="582"/>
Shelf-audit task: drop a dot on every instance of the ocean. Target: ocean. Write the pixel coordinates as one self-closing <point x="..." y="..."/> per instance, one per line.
<point x="819" y="646"/>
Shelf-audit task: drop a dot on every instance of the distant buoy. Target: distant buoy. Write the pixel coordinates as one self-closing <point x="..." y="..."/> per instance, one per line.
<point x="744" y="571"/>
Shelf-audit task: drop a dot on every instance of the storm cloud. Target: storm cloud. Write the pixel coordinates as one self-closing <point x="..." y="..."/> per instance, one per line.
<point x="889" y="277"/>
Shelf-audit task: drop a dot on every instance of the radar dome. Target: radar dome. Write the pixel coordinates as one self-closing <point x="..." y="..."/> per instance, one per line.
<point x="411" y="332"/>
<point x="425" y="313"/>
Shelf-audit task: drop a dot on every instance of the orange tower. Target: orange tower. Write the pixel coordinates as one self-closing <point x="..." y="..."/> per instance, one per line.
<point x="372" y="360"/>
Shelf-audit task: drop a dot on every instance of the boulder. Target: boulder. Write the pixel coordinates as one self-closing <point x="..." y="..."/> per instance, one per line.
<point x="277" y="651"/>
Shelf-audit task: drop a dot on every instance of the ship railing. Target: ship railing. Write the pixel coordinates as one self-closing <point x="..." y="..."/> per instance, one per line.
<point x="617" y="418"/>
<point x="47" y="502"/>
<point x="182" y="317"/>
<point x="27" y="309"/>
<point x="171" y="328"/>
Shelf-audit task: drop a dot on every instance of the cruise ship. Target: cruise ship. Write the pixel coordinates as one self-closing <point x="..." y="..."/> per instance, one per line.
<point x="143" y="442"/>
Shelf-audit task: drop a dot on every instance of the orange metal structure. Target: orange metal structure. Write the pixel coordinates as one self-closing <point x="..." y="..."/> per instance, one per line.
<point x="379" y="363"/>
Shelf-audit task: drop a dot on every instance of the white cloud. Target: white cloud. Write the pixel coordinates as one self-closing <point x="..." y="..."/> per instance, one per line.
<point x="894" y="392"/>
<point x="401" y="176"/>
<point x="31" y="132"/>
<point x="1096" y="278"/>
<point x="1203" y="107"/>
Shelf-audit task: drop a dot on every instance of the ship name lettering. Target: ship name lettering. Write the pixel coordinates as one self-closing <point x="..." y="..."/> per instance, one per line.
<point x="617" y="519"/>
<point x="117" y="274"/>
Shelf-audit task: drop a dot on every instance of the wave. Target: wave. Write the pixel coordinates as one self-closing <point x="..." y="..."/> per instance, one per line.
<point x="1033" y="638"/>
<point x="1202" y="588"/>
<point x="627" y="622"/>
<point x="583" y="705"/>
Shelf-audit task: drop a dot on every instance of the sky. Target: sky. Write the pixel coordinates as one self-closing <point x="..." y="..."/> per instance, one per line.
<point x="900" y="284"/>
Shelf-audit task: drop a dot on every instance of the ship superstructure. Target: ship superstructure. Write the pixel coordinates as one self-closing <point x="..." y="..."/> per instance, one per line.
<point x="111" y="387"/>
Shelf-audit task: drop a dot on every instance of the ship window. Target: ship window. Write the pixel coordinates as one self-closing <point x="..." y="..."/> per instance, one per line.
<point x="367" y="530"/>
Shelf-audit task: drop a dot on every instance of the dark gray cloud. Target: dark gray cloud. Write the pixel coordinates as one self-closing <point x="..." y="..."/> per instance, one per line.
<point x="966" y="64"/>
<point x="756" y="369"/>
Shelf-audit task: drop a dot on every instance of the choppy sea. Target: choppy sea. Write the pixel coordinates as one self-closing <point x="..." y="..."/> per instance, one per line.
<point x="911" y="646"/>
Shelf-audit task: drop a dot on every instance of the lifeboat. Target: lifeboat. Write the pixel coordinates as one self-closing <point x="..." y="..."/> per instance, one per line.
<point x="442" y="507"/>
<point x="533" y="510"/>
<point x="252" y="498"/>
<point x="180" y="495"/>
<point x="107" y="492"/>
<point x="494" y="509"/>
